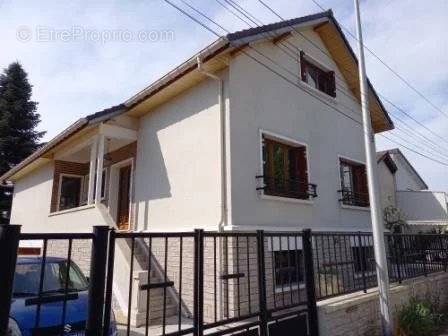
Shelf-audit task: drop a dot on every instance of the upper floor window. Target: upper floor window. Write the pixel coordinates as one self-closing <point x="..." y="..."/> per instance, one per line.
<point x="317" y="77"/>
<point x="285" y="171"/>
<point x="354" y="188"/>
<point x="70" y="192"/>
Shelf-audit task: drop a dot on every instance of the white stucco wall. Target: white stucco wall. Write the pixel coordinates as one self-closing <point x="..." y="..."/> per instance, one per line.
<point x="31" y="199"/>
<point x="260" y="100"/>
<point x="423" y="205"/>
<point x="406" y="180"/>
<point x="387" y="186"/>
<point x="177" y="170"/>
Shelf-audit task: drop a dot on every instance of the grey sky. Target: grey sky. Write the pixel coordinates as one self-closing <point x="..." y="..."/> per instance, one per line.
<point x="86" y="56"/>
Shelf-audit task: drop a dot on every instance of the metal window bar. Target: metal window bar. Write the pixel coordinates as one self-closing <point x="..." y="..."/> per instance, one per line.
<point x="287" y="187"/>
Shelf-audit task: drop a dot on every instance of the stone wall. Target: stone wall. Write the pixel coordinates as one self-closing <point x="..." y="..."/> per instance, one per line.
<point x="358" y="314"/>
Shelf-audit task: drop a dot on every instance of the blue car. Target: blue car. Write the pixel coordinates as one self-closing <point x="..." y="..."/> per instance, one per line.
<point x="26" y="303"/>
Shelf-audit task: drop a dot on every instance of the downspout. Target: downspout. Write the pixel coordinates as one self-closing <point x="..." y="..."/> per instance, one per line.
<point x="223" y="150"/>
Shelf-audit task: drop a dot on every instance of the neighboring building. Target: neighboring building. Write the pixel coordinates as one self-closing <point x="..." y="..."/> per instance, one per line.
<point x="246" y="151"/>
<point x="403" y="188"/>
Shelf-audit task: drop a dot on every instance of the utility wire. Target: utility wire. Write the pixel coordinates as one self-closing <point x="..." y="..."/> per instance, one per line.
<point x="434" y="146"/>
<point x="352" y="73"/>
<point x="283" y="76"/>
<point x="408" y="84"/>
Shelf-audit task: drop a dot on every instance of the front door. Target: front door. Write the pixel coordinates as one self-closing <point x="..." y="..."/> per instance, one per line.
<point x="124" y="185"/>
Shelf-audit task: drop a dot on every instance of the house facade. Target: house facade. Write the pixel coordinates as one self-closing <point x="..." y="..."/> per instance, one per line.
<point x="242" y="136"/>
<point x="244" y="150"/>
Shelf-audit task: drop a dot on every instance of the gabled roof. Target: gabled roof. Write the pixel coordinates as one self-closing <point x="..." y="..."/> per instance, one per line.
<point x="396" y="151"/>
<point x="384" y="156"/>
<point x="186" y="75"/>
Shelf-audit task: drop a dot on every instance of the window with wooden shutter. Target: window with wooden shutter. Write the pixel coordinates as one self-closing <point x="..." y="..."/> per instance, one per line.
<point x="354" y="189"/>
<point x="315" y="76"/>
<point x="285" y="170"/>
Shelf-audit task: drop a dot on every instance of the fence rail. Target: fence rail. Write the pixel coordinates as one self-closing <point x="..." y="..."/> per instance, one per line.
<point x="208" y="283"/>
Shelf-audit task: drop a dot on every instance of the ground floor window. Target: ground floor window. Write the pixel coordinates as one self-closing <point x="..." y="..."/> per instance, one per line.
<point x="288" y="267"/>
<point x="364" y="260"/>
<point x="70" y="192"/>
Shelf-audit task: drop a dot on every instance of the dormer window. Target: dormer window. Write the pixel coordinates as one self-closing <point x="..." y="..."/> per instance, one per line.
<point x="317" y="77"/>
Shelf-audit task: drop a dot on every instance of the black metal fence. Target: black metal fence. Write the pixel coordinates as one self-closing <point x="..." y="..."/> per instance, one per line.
<point x="200" y="283"/>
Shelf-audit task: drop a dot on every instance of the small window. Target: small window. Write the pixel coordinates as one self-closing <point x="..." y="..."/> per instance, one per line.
<point x="364" y="260"/>
<point x="354" y="188"/>
<point x="70" y="195"/>
<point x="288" y="267"/>
<point x="285" y="170"/>
<point x="85" y="187"/>
<point x="316" y="77"/>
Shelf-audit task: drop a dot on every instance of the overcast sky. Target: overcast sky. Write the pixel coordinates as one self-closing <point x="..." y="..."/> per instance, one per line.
<point x="82" y="57"/>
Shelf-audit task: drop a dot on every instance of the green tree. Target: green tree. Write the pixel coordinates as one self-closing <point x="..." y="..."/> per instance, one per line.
<point x="18" y="119"/>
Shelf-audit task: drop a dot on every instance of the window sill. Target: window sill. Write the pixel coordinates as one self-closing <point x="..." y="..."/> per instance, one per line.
<point x="355" y="207"/>
<point x="311" y="89"/>
<point x="287" y="288"/>
<point x="285" y="199"/>
<point x="80" y="208"/>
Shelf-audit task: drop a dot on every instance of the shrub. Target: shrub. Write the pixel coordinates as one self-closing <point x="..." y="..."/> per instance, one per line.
<point x="420" y="317"/>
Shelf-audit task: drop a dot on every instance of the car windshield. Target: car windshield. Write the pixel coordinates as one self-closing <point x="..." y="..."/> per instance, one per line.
<point x="27" y="278"/>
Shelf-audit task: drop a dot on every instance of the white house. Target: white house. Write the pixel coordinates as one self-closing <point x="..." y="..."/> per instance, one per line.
<point x="220" y="142"/>
<point x="403" y="188"/>
<point x="241" y="136"/>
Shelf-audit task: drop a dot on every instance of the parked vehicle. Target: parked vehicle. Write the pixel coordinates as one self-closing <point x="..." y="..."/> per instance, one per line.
<point x="61" y="309"/>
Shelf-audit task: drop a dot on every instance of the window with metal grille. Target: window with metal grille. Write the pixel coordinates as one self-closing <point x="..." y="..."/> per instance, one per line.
<point x="288" y="267"/>
<point x="285" y="170"/>
<point x="354" y="190"/>
<point x="363" y="258"/>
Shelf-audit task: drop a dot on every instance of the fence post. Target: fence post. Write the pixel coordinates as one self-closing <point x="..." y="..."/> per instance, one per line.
<point x="309" y="281"/>
<point x="109" y="283"/>
<point x="363" y="262"/>
<point x="396" y="239"/>
<point x="423" y="252"/>
<point x="198" y="279"/>
<point x="9" y="243"/>
<point x="262" y="283"/>
<point x="97" y="283"/>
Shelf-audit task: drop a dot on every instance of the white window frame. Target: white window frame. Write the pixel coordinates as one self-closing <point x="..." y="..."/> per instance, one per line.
<point x="322" y="66"/>
<point x="61" y="176"/>
<point x="85" y="185"/>
<point x="355" y="161"/>
<point x="287" y="141"/>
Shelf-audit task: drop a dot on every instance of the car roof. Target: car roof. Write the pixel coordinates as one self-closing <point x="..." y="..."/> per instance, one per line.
<point x="37" y="260"/>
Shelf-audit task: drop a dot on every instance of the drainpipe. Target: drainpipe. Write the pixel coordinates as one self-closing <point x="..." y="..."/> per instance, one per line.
<point x="223" y="150"/>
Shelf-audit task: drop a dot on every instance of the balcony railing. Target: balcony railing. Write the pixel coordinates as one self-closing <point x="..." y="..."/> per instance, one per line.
<point x="353" y="198"/>
<point x="292" y="188"/>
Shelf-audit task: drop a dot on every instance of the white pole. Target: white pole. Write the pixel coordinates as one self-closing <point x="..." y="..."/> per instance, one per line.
<point x="99" y="169"/>
<point x="372" y="178"/>
<point x="92" y="169"/>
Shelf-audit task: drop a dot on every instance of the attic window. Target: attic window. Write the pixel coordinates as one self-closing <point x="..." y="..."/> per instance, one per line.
<point x="317" y="77"/>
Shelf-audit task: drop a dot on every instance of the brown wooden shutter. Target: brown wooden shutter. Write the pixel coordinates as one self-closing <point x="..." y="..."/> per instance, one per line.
<point x="331" y="83"/>
<point x="302" y="66"/>
<point x="302" y="168"/>
<point x="360" y="181"/>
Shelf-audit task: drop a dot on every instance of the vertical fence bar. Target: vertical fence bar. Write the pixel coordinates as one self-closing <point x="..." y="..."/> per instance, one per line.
<point x="9" y="243"/>
<point x="97" y="280"/>
<point x="262" y="283"/>
<point x="309" y="281"/>
<point x="363" y="262"/>
<point x="110" y="279"/>
<point x="198" y="322"/>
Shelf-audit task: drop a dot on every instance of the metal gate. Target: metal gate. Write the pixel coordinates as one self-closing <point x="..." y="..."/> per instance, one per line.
<point x="189" y="283"/>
